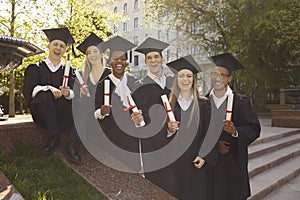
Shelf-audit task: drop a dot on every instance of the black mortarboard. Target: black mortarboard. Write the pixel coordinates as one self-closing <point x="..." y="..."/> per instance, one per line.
<point x="62" y="34"/>
<point x="91" y="40"/>
<point x="186" y="62"/>
<point x="116" y="43"/>
<point x="151" y="45"/>
<point x="228" y="61"/>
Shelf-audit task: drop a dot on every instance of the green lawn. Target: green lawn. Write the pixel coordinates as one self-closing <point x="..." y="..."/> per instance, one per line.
<point x="41" y="177"/>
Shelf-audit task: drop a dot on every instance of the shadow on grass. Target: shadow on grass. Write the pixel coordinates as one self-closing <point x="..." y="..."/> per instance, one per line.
<point x="44" y="177"/>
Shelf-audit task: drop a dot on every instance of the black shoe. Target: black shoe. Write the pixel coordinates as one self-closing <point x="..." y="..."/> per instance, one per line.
<point x="71" y="153"/>
<point x="52" y="143"/>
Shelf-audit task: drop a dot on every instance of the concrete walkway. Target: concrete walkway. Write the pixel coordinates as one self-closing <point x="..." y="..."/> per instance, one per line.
<point x="290" y="190"/>
<point x="266" y="128"/>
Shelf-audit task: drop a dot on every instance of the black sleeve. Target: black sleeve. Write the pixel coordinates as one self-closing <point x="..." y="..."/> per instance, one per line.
<point x="99" y="96"/>
<point x="31" y="79"/>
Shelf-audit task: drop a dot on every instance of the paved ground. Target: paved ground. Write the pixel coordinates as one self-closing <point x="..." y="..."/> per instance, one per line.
<point x="267" y="129"/>
<point x="16" y="119"/>
<point x="289" y="191"/>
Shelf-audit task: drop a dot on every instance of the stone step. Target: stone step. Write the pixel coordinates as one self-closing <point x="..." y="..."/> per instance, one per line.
<point x="264" y="183"/>
<point x="290" y="190"/>
<point x="264" y="162"/>
<point x="273" y="145"/>
<point x="274" y="137"/>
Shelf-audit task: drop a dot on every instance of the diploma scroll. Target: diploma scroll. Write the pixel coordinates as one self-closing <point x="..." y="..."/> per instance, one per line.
<point x="133" y="107"/>
<point x="168" y="108"/>
<point x="66" y="73"/>
<point x="80" y="80"/>
<point x="106" y="92"/>
<point x="229" y="107"/>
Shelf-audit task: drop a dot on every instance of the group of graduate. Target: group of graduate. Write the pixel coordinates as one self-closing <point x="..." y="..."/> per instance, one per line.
<point x="197" y="153"/>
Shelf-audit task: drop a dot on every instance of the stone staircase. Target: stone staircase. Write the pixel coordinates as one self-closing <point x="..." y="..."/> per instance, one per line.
<point x="273" y="162"/>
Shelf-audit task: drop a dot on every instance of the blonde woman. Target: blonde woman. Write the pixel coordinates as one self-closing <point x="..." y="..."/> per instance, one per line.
<point x="83" y="105"/>
<point x="188" y="174"/>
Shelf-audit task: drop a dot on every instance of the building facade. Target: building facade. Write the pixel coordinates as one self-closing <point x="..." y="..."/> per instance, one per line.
<point x="136" y="28"/>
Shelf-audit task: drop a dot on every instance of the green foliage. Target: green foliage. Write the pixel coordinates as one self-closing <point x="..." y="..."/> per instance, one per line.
<point x="263" y="35"/>
<point x="28" y="18"/>
<point x="43" y="177"/>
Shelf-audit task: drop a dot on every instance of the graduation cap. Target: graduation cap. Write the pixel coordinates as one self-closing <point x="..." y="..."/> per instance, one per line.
<point x="62" y="34"/>
<point x="186" y="62"/>
<point x="151" y="45"/>
<point x="227" y="61"/>
<point x="91" y="40"/>
<point x="117" y="43"/>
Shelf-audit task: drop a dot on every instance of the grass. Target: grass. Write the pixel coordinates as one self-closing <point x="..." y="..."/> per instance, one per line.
<point x="40" y="177"/>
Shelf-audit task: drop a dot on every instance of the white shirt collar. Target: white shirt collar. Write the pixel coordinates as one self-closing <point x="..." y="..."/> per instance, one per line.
<point x="184" y="104"/>
<point x="51" y="66"/>
<point x="161" y="81"/>
<point x="218" y="101"/>
<point x="114" y="79"/>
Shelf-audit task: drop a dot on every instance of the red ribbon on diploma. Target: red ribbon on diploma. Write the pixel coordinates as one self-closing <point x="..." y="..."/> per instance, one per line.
<point x="65" y="80"/>
<point x="167" y="108"/>
<point x="229" y="111"/>
<point x="130" y="106"/>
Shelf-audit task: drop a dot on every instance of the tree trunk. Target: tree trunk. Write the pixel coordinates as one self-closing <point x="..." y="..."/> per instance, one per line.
<point x="11" y="109"/>
<point x="259" y="100"/>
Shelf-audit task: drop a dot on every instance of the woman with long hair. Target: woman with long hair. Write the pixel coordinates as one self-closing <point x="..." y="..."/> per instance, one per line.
<point x="94" y="71"/>
<point x="188" y="175"/>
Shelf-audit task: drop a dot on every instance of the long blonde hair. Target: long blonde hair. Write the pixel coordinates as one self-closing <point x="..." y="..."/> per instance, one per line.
<point x="88" y="67"/>
<point x="175" y="91"/>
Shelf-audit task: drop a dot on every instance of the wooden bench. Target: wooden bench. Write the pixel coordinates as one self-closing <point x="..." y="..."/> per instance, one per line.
<point x="286" y="118"/>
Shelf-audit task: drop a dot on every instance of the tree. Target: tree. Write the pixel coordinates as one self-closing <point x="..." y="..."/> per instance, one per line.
<point x="25" y="19"/>
<point x="263" y="35"/>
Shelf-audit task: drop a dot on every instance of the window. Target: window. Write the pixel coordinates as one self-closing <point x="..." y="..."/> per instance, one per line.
<point x="115" y="29"/>
<point x="168" y="35"/>
<point x="136" y="23"/>
<point x="125" y="26"/>
<point x="136" y="40"/>
<point x="193" y="50"/>
<point x="125" y="8"/>
<point x="115" y="10"/>
<point x="136" y="60"/>
<point x="168" y="55"/>
<point x="193" y="28"/>
<point x="178" y="53"/>
<point x="160" y="36"/>
<point x="179" y="33"/>
<point x="136" y="4"/>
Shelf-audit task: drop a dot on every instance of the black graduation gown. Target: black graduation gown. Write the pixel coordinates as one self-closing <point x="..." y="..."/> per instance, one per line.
<point x="83" y="108"/>
<point x="145" y="96"/>
<point x="181" y="178"/>
<point x="231" y="172"/>
<point x="45" y="110"/>
<point x="110" y="127"/>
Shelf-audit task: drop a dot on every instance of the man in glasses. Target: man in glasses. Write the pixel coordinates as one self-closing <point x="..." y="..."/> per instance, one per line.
<point x="231" y="181"/>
